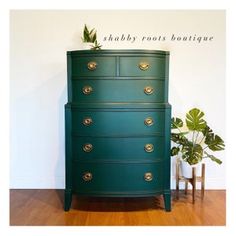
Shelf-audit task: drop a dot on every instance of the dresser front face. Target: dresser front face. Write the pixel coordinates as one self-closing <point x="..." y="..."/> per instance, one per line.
<point x="118" y="123"/>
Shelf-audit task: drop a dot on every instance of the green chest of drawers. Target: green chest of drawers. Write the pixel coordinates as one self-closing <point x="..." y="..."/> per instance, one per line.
<point x="117" y="124"/>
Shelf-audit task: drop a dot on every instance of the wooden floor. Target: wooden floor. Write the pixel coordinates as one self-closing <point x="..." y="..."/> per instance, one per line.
<point x="45" y="207"/>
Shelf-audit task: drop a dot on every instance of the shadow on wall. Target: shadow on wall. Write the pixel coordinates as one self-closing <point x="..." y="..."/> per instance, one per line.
<point x="60" y="166"/>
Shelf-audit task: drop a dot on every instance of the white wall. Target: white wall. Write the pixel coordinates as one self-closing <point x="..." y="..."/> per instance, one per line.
<point x="38" y="44"/>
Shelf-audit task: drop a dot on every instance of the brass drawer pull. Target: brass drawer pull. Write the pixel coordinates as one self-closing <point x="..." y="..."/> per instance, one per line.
<point x="92" y="65"/>
<point x="143" y="65"/>
<point x="148" y="90"/>
<point x="149" y="121"/>
<point x="88" y="147"/>
<point x="87" y="121"/>
<point x="149" y="147"/>
<point x="87" y="176"/>
<point x="87" y="90"/>
<point x="148" y="176"/>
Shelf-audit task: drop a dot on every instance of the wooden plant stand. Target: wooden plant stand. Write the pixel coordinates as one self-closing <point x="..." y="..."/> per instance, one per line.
<point x="192" y="181"/>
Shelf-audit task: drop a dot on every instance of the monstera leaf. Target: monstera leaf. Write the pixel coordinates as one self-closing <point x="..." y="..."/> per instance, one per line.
<point x="192" y="144"/>
<point x="214" y="142"/>
<point x="174" y="151"/>
<point x="213" y="158"/>
<point x="207" y="131"/>
<point x="194" y="120"/>
<point x="179" y="138"/>
<point x="192" y="154"/>
<point x="176" y="123"/>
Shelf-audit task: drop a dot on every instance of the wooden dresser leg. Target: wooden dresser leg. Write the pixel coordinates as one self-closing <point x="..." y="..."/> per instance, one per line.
<point x="167" y="201"/>
<point x="67" y="199"/>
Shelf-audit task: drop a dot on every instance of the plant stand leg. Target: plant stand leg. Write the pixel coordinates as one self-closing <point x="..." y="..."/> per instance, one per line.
<point x="67" y="199"/>
<point x="203" y="181"/>
<point x="177" y="180"/>
<point x="186" y="187"/>
<point x="194" y="178"/>
<point x="167" y="201"/>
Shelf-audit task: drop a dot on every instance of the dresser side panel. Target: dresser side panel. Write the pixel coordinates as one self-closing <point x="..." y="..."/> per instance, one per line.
<point x="68" y="148"/>
<point x="69" y="78"/>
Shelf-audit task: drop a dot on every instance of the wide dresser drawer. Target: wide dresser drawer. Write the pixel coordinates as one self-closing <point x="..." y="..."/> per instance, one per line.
<point x="118" y="90"/>
<point x="98" y="149"/>
<point x="117" y="123"/>
<point x="117" y="179"/>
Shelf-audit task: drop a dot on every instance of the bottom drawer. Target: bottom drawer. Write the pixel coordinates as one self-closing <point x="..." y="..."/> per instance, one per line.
<point x="117" y="179"/>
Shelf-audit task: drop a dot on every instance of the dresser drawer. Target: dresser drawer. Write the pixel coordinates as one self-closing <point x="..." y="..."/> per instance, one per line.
<point x="118" y="90"/>
<point x="115" y="123"/>
<point x="118" y="149"/>
<point x="115" y="179"/>
<point x="144" y="66"/>
<point x="93" y="66"/>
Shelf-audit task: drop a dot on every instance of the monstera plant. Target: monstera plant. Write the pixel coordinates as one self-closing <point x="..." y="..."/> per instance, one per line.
<point x="194" y="140"/>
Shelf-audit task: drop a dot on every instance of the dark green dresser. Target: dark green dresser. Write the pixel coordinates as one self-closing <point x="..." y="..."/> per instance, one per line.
<point x="118" y="124"/>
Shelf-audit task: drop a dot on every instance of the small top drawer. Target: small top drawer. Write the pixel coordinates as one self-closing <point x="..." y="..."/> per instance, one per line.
<point x="93" y="66"/>
<point x="144" y="66"/>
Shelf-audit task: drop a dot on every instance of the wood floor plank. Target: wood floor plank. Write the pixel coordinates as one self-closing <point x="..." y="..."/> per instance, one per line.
<point x="45" y="207"/>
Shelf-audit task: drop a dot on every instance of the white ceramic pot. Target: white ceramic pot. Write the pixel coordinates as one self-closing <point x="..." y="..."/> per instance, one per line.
<point x="186" y="169"/>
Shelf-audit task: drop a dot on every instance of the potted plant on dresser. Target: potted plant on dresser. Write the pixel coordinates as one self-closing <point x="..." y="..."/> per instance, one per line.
<point x="90" y="39"/>
<point x="193" y="142"/>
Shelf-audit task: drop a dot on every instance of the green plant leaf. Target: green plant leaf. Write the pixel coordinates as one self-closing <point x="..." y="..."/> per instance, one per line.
<point x="91" y="31"/>
<point x="91" y="37"/>
<point x="179" y="138"/>
<point x="214" y="142"/>
<point x="213" y="158"/>
<point x="191" y="151"/>
<point x="86" y="29"/>
<point x="86" y="38"/>
<point x="207" y="131"/>
<point x="96" y="46"/>
<point x="94" y="37"/>
<point x="192" y="154"/>
<point x="176" y="123"/>
<point x="174" y="151"/>
<point x="194" y="120"/>
<point x="86" y="35"/>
